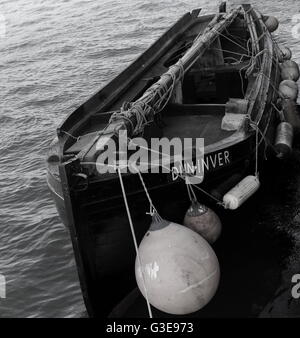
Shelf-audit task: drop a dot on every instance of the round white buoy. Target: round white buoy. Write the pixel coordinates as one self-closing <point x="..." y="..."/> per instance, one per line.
<point x="271" y="23"/>
<point x="288" y="89"/>
<point x="204" y="221"/>
<point x="178" y="268"/>
<point x="286" y="53"/>
<point x="241" y="192"/>
<point x="290" y="70"/>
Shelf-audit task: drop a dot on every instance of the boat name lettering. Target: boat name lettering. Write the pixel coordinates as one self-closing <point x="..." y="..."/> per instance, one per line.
<point x="210" y="162"/>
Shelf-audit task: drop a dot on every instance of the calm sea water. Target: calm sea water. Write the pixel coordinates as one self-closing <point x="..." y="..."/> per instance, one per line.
<point x="54" y="56"/>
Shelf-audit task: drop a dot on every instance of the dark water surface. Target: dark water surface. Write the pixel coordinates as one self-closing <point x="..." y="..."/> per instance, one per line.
<point x="55" y="55"/>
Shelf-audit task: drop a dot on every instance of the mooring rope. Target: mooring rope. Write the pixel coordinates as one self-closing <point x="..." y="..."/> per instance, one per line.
<point x="231" y="52"/>
<point x="191" y="193"/>
<point x="232" y="41"/>
<point x="280" y="113"/>
<point x="141" y="108"/>
<point x="237" y="38"/>
<point x="254" y="125"/>
<point x="153" y="211"/>
<point x="70" y="135"/>
<point x="219" y="202"/>
<point x="135" y="242"/>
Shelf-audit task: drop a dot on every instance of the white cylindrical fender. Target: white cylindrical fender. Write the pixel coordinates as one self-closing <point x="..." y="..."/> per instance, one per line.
<point x="284" y="139"/>
<point x="241" y="192"/>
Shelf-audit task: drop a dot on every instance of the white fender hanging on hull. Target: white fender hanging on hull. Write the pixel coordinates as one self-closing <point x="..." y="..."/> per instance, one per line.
<point x="241" y="192"/>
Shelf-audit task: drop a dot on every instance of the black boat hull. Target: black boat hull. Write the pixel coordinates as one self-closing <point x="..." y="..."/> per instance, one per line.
<point x="92" y="207"/>
<point x="106" y="256"/>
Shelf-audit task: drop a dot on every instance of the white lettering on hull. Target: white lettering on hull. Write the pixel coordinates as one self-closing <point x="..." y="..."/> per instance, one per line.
<point x="207" y="163"/>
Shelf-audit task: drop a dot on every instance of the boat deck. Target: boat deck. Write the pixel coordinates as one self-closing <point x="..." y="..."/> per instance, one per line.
<point x="196" y="126"/>
<point x="207" y="126"/>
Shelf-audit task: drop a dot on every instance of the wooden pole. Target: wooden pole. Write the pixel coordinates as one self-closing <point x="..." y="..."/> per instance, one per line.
<point x="152" y="96"/>
<point x="217" y="25"/>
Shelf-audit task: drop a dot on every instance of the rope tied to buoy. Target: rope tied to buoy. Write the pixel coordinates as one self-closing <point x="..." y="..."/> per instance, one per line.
<point x="191" y="186"/>
<point x="191" y="193"/>
<point x="134" y="241"/>
<point x="201" y="208"/>
<point x="254" y="126"/>
<point x="280" y="112"/>
<point x="70" y="135"/>
<point x="152" y="212"/>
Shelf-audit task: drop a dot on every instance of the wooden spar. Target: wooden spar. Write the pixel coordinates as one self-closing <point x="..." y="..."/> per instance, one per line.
<point x="263" y="77"/>
<point x="156" y="91"/>
<point x="253" y="33"/>
<point x="152" y="96"/>
<point x="191" y="56"/>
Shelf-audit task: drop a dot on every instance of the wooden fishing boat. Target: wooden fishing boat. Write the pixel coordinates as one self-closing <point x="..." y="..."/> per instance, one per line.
<point x="203" y="70"/>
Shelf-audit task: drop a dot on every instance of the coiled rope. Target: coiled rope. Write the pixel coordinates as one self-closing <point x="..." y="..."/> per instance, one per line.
<point x="142" y="109"/>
